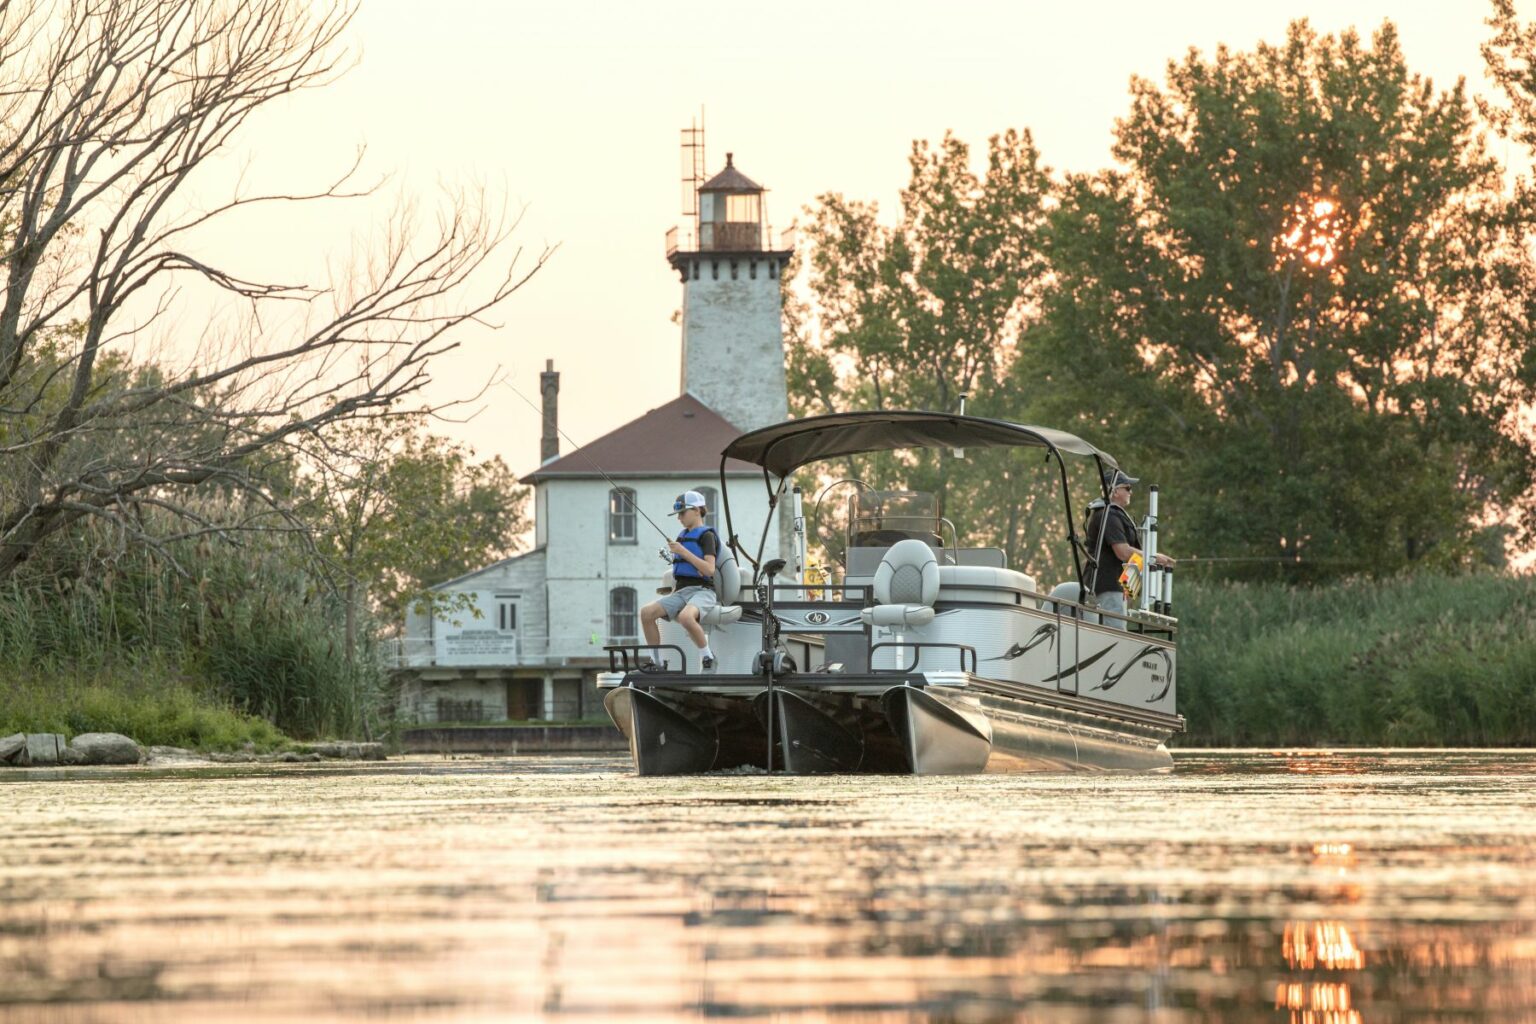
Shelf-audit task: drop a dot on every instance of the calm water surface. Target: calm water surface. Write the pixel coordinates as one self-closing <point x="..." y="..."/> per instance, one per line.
<point x="1256" y="886"/>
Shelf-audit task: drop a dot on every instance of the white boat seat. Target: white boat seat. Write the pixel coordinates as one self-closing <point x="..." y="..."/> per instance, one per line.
<point x="727" y="594"/>
<point x="1070" y="591"/>
<point x="905" y="586"/>
<point x="983" y="576"/>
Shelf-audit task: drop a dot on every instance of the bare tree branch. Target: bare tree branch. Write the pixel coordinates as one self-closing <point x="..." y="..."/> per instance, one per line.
<point x="108" y="110"/>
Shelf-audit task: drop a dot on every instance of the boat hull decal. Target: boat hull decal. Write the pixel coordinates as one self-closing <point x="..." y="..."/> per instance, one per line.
<point x="1040" y="636"/>
<point x="1079" y="666"/>
<point x="1111" y="677"/>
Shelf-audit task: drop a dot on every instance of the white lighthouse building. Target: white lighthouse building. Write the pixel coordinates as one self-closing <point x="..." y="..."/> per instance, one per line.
<point x="536" y="645"/>
<point x="733" y="334"/>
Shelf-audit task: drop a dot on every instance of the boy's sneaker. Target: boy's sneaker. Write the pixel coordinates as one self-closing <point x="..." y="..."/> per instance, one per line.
<point x="653" y="666"/>
<point x="709" y="663"/>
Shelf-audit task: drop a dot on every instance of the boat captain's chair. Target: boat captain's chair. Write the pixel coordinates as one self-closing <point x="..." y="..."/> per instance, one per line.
<point x="727" y="607"/>
<point x="905" y="586"/>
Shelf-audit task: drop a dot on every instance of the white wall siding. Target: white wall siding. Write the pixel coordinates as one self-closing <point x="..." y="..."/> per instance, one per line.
<point x="461" y="638"/>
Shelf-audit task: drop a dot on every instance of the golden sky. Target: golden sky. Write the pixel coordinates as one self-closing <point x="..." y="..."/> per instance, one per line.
<point x="574" y="110"/>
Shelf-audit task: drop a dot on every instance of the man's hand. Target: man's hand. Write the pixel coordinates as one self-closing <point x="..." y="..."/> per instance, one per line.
<point x="1164" y="560"/>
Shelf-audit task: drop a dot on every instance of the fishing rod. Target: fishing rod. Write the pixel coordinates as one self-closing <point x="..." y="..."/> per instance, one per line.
<point x="576" y="449"/>
<point x="1276" y="559"/>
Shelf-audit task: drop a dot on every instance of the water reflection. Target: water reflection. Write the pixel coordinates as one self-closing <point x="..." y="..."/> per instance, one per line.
<point x="1323" y="1002"/>
<point x="1236" y="889"/>
<point x="1326" y="944"/>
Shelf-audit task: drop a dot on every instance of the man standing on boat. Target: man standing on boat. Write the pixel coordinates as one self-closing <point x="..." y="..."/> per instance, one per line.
<point x="1116" y="539"/>
<point x="693" y="570"/>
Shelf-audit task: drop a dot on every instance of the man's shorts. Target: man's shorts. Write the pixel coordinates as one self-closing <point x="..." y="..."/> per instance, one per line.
<point x="702" y="598"/>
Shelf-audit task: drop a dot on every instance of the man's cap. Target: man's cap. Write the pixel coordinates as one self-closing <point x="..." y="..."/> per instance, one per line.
<point x="1120" y="478"/>
<point x="688" y="499"/>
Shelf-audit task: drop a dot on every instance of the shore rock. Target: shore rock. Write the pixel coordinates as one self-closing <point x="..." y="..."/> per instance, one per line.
<point x="12" y="748"/>
<point x="173" y="755"/>
<point x="43" y="748"/>
<point x="106" y="748"/>
<point x="344" y="750"/>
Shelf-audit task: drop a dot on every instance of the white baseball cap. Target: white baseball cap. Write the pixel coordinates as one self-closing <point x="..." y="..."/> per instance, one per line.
<point x="688" y="499"/>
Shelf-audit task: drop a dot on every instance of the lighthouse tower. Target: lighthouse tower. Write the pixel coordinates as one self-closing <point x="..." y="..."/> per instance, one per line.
<point x="733" y="336"/>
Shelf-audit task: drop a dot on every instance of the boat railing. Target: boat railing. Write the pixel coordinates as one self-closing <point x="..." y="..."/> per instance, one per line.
<point x="856" y="594"/>
<point x="917" y="649"/>
<point x="1134" y="619"/>
<point x="619" y="655"/>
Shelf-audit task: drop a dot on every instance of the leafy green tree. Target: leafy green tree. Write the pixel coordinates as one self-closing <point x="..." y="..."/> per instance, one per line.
<point x="916" y="315"/>
<point x="1304" y="301"/>
<point x="1509" y="57"/>
<point x="399" y="509"/>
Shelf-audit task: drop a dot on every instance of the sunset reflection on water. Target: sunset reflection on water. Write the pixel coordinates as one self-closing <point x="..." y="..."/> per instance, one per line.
<point x="1393" y="887"/>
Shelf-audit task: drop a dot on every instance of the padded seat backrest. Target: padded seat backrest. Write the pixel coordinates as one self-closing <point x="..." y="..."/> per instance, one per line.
<point x="908" y="574"/>
<point x="1068" y="591"/>
<point x="727" y="579"/>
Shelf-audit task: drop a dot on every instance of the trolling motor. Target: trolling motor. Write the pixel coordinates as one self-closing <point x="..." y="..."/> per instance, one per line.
<point x="772" y="661"/>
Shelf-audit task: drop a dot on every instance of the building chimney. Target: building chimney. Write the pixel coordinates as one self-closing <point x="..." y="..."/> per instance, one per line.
<point x="549" y="386"/>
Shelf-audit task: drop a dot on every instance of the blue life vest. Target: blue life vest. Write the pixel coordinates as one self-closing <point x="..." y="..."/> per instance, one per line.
<point x="683" y="570"/>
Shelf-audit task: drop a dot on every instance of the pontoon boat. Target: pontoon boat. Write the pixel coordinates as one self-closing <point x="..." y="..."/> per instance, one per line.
<point x="925" y="658"/>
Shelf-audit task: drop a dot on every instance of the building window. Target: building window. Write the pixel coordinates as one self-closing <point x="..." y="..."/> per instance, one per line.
<point x="621" y="516"/>
<point x="622" y="622"/>
<point x="506" y="615"/>
<point x="711" y="513"/>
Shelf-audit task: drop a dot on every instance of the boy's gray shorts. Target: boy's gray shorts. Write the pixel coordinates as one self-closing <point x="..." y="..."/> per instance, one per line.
<point x="702" y="598"/>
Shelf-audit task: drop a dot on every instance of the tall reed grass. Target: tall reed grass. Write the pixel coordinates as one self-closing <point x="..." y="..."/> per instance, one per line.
<point x="246" y="630"/>
<point x="1427" y="660"/>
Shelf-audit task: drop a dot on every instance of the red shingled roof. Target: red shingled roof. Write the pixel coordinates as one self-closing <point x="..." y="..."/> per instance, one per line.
<point x="685" y="436"/>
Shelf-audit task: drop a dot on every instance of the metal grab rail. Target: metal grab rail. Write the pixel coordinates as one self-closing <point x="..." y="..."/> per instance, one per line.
<point x="954" y="540"/>
<point x="862" y="593"/>
<point x="917" y="647"/>
<point x="618" y="653"/>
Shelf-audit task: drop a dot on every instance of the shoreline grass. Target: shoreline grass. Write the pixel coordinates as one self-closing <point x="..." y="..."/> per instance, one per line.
<point x="1427" y="660"/>
<point x="151" y="710"/>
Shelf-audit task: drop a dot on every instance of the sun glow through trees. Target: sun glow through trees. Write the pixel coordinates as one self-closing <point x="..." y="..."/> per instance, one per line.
<point x="1315" y="232"/>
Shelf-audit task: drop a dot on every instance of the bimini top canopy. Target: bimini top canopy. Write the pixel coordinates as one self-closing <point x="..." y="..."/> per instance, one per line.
<point x="785" y="447"/>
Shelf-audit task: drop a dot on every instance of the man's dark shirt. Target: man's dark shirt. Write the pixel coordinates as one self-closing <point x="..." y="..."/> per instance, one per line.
<point x="1119" y="530"/>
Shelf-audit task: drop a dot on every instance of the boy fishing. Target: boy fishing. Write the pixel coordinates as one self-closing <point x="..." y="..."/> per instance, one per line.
<point x="693" y="568"/>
